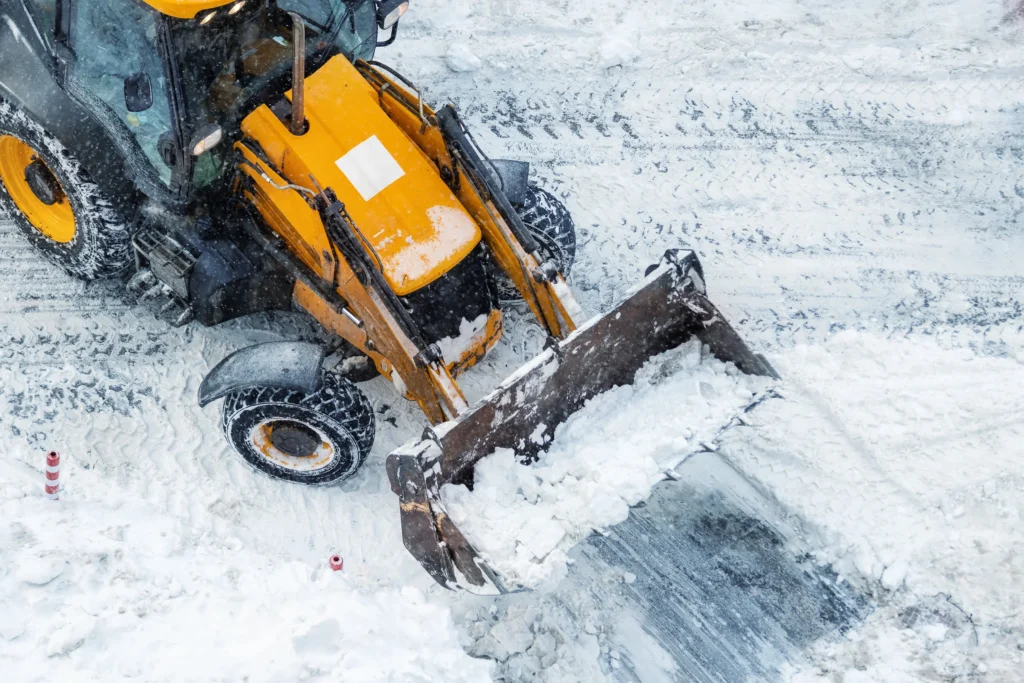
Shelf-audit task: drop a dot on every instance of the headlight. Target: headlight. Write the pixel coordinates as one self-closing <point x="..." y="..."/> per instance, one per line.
<point x="206" y="138"/>
<point x="390" y="11"/>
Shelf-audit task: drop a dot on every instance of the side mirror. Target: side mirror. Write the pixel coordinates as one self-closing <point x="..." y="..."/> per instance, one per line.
<point x="138" y="92"/>
<point x="390" y="11"/>
<point x="205" y="139"/>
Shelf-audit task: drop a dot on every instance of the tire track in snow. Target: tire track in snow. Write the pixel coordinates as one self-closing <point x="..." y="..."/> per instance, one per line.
<point x="869" y="186"/>
<point x="86" y="371"/>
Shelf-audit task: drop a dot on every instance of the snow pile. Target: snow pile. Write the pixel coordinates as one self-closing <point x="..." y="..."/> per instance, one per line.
<point x="619" y="48"/>
<point x="110" y="589"/>
<point x="604" y="459"/>
<point x="528" y="638"/>
<point x="903" y="641"/>
<point x="461" y="59"/>
<point x="909" y="459"/>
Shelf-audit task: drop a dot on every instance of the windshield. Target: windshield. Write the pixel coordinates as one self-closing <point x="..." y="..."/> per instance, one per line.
<point x="235" y="62"/>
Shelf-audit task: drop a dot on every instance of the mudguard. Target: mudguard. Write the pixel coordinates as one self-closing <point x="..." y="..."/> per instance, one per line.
<point x="513" y="178"/>
<point x="667" y="309"/>
<point x="284" y="365"/>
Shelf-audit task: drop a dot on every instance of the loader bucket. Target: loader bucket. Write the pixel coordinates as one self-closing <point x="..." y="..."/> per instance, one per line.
<point x="663" y="312"/>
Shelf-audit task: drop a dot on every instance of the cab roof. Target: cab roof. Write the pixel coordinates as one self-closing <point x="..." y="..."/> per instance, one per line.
<point x="186" y="9"/>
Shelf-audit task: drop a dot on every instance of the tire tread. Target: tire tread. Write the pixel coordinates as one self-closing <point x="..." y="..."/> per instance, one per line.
<point x="337" y="398"/>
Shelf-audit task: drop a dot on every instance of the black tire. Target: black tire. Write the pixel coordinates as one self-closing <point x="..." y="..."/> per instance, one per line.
<point x="337" y="413"/>
<point x="551" y="224"/>
<point x="101" y="245"/>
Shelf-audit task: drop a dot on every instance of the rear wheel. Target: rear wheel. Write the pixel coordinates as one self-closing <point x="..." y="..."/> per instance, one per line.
<point x="552" y="226"/>
<point x="317" y="438"/>
<point x="54" y="202"/>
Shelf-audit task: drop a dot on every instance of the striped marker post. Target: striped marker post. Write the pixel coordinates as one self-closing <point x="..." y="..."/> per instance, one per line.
<point x="336" y="563"/>
<point x="53" y="475"/>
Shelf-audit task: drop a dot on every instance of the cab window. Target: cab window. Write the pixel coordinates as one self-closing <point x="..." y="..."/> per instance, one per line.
<point x="115" y="43"/>
<point x="44" y="14"/>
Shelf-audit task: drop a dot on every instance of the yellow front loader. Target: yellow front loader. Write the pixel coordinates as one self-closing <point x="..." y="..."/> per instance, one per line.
<point x="236" y="156"/>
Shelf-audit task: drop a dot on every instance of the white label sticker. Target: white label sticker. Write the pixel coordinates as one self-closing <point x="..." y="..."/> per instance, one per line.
<point x="370" y="168"/>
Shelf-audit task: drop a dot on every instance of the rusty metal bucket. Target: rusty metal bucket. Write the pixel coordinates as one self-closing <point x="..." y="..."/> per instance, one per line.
<point x="667" y="309"/>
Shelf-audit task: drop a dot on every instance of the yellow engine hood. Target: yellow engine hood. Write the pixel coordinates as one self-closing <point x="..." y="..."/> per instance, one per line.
<point x="411" y="219"/>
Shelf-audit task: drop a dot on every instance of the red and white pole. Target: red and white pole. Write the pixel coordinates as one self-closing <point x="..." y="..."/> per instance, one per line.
<point x="336" y="563"/>
<point x="53" y="475"/>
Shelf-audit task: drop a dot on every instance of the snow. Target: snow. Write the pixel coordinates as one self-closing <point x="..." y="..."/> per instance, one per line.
<point x="453" y="348"/>
<point x="605" y="458"/>
<point x="894" y="574"/>
<point x="453" y="230"/>
<point x="460" y="58"/>
<point x="849" y="174"/>
<point x="619" y="49"/>
<point x="107" y="588"/>
<point x="909" y="458"/>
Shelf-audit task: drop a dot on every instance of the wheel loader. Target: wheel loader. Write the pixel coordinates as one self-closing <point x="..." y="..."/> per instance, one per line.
<point x="230" y="157"/>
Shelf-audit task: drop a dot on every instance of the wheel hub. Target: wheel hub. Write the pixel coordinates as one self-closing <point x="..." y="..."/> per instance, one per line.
<point x="292" y="444"/>
<point x="43" y="183"/>
<point x="294" y="439"/>
<point x="35" y="190"/>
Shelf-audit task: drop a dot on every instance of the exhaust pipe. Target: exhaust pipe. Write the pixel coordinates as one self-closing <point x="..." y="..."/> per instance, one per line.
<point x="298" y="122"/>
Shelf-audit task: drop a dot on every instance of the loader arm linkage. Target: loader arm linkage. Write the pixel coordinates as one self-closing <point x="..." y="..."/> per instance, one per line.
<point x="328" y="249"/>
<point x="460" y="163"/>
<point x="343" y="282"/>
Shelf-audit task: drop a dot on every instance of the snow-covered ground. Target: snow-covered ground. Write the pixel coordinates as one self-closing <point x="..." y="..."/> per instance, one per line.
<point x="852" y="176"/>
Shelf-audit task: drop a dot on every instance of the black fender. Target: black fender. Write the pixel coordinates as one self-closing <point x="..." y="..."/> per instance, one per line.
<point x="280" y="365"/>
<point x="513" y="178"/>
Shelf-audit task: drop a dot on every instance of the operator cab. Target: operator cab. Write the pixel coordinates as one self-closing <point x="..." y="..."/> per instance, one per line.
<point x="231" y="61"/>
<point x="157" y="73"/>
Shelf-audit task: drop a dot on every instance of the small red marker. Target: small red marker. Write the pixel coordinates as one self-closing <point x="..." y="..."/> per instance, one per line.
<point x="53" y="475"/>
<point x="336" y="562"/>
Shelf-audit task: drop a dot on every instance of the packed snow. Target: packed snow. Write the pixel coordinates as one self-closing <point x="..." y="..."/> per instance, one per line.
<point x="909" y="458"/>
<point x="850" y="174"/>
<point x="523" y="518"/>
<point x="109" y="589"/>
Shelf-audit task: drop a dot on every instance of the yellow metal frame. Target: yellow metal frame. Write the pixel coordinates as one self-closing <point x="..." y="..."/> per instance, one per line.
<point x="551" y="302"/>
<point x="278" y="179"/>
<point x="56" y="221"/>
<point x="413" y="226"/>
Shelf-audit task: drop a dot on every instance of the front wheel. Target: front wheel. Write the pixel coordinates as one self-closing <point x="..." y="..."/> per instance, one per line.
<point x="318" y="438"/>
<point x="55" y="203"/>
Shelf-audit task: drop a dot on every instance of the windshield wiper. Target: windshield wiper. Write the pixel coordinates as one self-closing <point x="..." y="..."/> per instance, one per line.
<point x="325" y="28"/>
<point x="318" y="57"/>
<point x="347" y="15"/>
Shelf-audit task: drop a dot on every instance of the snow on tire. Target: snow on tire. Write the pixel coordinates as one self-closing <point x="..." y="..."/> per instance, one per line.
<point x="101" y="244"/>
<point x="317" y="438"/>
<point x="551" y="224"/>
